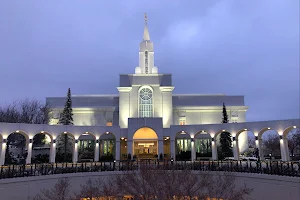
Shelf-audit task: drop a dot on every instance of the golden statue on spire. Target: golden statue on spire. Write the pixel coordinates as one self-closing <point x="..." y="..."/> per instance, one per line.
<point x="146" y="18"/>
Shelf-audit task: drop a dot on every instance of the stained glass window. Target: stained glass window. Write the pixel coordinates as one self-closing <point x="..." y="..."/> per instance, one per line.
<point x="145" y="103"/>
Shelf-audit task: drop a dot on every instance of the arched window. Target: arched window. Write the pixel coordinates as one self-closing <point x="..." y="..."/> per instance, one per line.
<point x="145" y="102"/>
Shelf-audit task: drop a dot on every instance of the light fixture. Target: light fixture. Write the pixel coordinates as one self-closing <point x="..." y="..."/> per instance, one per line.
<point x="42" y="131"/>
<point x="223" y="130"/>
<point x="167" y="138"/>
<point x="182" y="132"/>
<point x="30" y="140"/>
<point x="17" y="131"/>
<point x="256" y="137"/>
<point x="125" y="139"/>
<point x="203" y="131"/>
<point x="294" y="126"/>
<point x="86" y="132"/>
<point x="281" y="137"/>
<point x="107" y="132"/>
<point x="245" y="129"/>
<point x="269" y="128"/>
<point x="65" y="132"/>
<point x="122" y="138"/>
<point x="54" y="141"/>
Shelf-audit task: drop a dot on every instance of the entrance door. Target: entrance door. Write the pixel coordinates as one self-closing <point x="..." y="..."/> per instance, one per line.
<point x="145" y="149"/>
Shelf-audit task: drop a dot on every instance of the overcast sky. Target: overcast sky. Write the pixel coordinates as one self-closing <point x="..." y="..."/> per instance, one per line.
<point x="248" y="47"/>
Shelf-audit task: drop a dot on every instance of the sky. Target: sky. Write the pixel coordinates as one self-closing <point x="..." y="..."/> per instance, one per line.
<point x="232" y="47"/>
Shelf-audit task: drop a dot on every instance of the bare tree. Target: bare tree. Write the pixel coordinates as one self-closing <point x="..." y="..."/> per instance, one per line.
<point x="60" y="191"/>
<point x="26" y="111"/>
<point x="271" y="145"/>
<point x="149" y="184"/>
<point x="294" y="141"/>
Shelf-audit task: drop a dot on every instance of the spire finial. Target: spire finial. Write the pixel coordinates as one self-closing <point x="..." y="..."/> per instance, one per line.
<point x="146" y="18"/>
<point x="146" y="36"/>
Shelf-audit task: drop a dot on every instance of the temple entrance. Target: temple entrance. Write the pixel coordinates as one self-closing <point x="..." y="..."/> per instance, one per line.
<point x="145" y="144"/>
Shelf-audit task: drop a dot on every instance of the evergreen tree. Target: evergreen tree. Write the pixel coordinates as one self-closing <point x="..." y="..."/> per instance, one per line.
<point x="225" y="148"/>
<point x="225" y="116"/>
<point x="66" y="118"/>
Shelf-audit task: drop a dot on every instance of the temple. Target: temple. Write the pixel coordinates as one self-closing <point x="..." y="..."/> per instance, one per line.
<point x="146" y="112"/>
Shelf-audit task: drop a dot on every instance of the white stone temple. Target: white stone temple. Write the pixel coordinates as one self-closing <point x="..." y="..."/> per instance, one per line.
<point x="146" y="113"/>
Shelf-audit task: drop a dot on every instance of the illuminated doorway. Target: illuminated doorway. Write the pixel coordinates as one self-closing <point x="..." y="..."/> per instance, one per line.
<point x="145" y="144"/>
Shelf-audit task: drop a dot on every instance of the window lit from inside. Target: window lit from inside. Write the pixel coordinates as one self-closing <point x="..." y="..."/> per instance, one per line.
<point x="146" y="103"/>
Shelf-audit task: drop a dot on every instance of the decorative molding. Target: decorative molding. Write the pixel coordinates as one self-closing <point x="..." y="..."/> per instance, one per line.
<point x="166" y="89"/>
<point x="124" y="89"/>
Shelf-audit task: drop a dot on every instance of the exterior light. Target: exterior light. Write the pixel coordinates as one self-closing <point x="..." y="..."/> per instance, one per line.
<point x="17" y="131"/>
<point x="122" y="138"/>
<point x="42" y="131"/>
<point x="167" y="138"/>
<point x="256" y="137"/>
<point x="125" y="139"/>
<point x="86" y="132"/>
<point x="182" y="132"/>
<point x="280" y="137"/>
<point x="294" y="126"/>
<point x="202" y="131"/>
<point x="30" y="140"/>
<point x="97" y="141"/>
<point x="245" y="129"/>
<point x="269" y="128"/>
<point x="65" y="132"/>
<point x="212" y="139"/>
<point x="54" y="141"/>
<point x="107" y="132"/>
<point x="223" y="130"/>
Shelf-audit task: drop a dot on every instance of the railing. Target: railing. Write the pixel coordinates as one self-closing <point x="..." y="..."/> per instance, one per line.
<point x="262" y="167"/>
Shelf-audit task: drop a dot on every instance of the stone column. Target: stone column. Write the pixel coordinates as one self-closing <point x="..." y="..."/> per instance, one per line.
<point x="52" y="152"/>
<point x="129" y="147"/>
<point x="283" y="148"/>
<point x="173" y="153"/>
<point x="258" y="143"/>
<point x="29" y="151"/>
<point x="96" y="156"/>
<point x="3" y="151"/>
<point x="236" y="149"/>
<point x="118" y="149"/>
<point x="160" y="147"/>
<point x="75" y="152"/>
<point x="214" y="149"/>
<point x="193" y="150"/>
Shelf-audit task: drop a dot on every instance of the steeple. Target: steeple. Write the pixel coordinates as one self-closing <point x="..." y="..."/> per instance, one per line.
<point x="146" y="36"/>
<point x="146" y="53"/>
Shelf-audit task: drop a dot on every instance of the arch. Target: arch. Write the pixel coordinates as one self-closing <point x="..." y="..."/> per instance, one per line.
<point x="288" y="129"/>
<point x="46" y="133"/>
<point x="22" y="133"/>
<point x="202" y="134"/>
<point x="263" y="130"/>
<point x="65" y="132"/>
<point x="145" y="133"/>
<point x="87" y="133"/>
<point x="107" y="135"/>
<point x="145" y="101"/>
<point x="219" y="132"/>
<point x="41" y="148"/>
<point x="182" y="135"/>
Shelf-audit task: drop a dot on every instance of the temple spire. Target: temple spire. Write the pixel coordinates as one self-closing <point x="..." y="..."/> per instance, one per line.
<point x="146" y="36"/>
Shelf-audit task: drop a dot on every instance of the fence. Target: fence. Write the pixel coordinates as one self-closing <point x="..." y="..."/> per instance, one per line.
<point x="262" y="167"/>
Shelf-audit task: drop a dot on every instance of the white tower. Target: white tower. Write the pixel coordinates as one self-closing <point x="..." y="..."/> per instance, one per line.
<point x="146" y="54"/>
